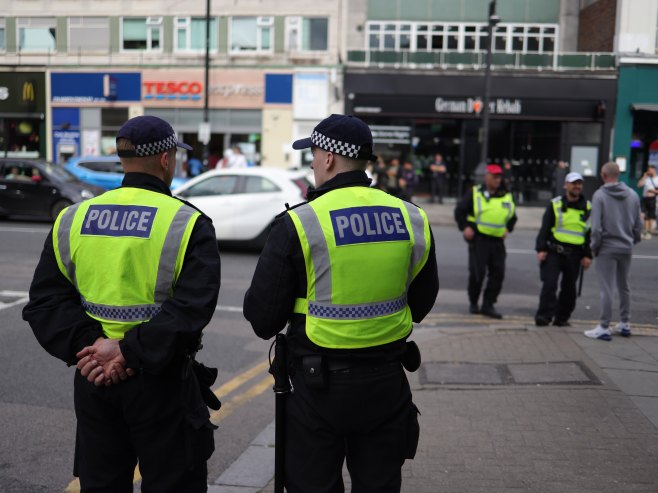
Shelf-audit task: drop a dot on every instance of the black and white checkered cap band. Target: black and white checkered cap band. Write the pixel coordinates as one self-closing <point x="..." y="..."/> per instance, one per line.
<point x="335" y="146"/>
<point x="153" y="148"/>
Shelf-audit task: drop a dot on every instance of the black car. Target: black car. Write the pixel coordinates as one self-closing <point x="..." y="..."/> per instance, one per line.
<point x="39" y="188"/>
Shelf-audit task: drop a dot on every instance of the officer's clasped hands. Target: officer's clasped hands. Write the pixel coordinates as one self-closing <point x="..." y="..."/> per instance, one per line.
<point x="102" y="363"/>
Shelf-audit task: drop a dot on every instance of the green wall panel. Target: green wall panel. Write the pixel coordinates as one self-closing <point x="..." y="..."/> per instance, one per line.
<point x="464" y="10"/>
<point x="168" y="34"/>
<point x="115" y="34"/>
<point x="10" y="33"/>
<point x="222" y="34"/>
<point x="61" y="28"/>
<point x="279" y="34"/>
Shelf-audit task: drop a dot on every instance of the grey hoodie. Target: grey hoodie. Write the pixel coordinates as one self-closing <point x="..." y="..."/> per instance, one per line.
<point x="616" y="219"/>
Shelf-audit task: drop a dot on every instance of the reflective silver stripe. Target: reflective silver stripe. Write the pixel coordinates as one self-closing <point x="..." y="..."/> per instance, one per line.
<point x="479" y="213"/>
<point x="167" y="266"/>
<point x="64" y="241"/>
<point x="418" y="228"/>
<point x="319" y="251"/>
<point x="356" y="312"/>
<point x="134" y="313"/>
<point x="569" y="232"/>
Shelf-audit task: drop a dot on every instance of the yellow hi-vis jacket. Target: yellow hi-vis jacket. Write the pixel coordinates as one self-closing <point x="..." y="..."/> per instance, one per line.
<point x="491" y="214"/>
<point x="362" y="249"/>
<point x="123" y="251"/>
<point x="571" y="225"/>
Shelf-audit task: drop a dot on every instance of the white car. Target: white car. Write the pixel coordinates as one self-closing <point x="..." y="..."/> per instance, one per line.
<point x="242" y="202"/>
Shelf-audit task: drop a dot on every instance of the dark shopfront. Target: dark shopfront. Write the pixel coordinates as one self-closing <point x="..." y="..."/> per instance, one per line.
<point x="536" y="121"/>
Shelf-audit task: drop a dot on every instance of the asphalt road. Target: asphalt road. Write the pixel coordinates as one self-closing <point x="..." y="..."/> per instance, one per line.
<point x="36" y="409"/>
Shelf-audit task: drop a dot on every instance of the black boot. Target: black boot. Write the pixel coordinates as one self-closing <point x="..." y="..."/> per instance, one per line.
<point x="490" y="311"/>
<point x="474" y="309"/>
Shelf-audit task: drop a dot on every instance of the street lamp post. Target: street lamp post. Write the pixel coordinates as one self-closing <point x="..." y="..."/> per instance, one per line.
<point x="484" y="148"/>
<point x="206" y="118"/>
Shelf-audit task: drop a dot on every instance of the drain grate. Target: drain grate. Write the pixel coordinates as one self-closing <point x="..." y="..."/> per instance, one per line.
<point x="544" y="373"/>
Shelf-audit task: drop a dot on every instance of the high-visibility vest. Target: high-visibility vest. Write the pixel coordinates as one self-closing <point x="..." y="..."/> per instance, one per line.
<point x="491" y="214"/>
<point x="571" y="224"/>
<point x="362" y="249"/>
<point x="123" y="251"/>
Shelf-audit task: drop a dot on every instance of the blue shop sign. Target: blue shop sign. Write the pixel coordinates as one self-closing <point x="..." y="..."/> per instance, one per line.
<point x="81" y="87"/>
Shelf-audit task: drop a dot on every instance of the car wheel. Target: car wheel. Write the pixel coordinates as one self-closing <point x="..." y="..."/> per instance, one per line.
<point x="58" y="207"/>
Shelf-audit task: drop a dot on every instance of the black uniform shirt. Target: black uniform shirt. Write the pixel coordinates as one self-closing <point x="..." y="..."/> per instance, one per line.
<point x="280" y="277"/>
<point x="63" y="328"/>
<point x="548" y="222"/>
<point x="465" y="208"/>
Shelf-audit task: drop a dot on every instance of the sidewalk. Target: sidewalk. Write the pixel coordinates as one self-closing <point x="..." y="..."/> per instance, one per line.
<point x="509" y="407"/>
<point x="442" y="214"/>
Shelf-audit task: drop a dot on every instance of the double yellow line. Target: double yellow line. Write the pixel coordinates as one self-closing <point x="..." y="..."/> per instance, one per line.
<point x="233" y="404"/>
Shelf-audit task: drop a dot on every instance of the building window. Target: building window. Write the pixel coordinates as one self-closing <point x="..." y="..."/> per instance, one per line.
<point x="423" y="36"/>
<point x="191" y="33"/>
<point x="37" y="34"/>
<point x="251" y="34"/>
<point x="89" y="34"/>
<point x="307" y="33"/>
<point x="142" y="33"/>
<point x="3" y="42"/>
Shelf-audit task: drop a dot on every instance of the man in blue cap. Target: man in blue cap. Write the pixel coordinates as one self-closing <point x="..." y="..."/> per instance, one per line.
<point x="562" y="250"/>
<point x="350" y="270"/>
<point x="125" y="285"/>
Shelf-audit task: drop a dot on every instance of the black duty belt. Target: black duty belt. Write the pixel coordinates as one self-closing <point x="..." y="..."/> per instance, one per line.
<point x="565" y="250"/>
<point x="338" y="367"/>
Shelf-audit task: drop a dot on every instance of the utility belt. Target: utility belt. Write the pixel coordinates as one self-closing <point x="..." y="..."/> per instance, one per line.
<point x="317" y="368"/>
<point x="565" y="250"/>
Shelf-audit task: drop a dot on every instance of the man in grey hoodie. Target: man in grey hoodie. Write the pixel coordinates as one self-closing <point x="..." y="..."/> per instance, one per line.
<point x="616" y="227"/>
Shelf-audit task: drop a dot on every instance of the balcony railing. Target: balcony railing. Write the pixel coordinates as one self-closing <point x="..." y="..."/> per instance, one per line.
<point x="476" y="60"/>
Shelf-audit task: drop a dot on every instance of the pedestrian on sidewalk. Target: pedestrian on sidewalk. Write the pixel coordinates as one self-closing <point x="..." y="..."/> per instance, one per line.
<point x="616" y="228"/>
<point x="563" y="249"/>
<point x="649" y="185"/>
<point x="437" y="179"/>
<point x="349" y="270"/>
<point x="124" y="287"/>
<point x="486" y="215"/>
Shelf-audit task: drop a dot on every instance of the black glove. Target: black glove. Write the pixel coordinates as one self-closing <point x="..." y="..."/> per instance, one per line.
<point x="206" y="377"/>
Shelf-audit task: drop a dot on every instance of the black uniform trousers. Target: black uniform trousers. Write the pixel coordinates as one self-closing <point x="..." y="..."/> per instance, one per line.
<point x="550" y="305"/>
<point x="161" y="420"/>
<point x="486" y="259"/>
<point x="362" y="416"/>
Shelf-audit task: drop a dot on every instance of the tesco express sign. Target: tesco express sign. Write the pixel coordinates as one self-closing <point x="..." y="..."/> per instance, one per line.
<point x="171" y="90"/>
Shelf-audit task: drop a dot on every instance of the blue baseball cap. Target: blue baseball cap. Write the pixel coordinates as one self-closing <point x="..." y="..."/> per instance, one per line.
<point x="150" y="135"/>
<point x="341" y="134"/>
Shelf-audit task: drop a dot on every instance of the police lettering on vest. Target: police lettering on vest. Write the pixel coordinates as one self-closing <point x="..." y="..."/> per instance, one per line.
<point x="119" y="220"/>
<point x="368" y="224"/>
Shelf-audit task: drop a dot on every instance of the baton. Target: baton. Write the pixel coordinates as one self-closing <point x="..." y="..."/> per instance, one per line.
<point x="281" y="390"/>
<point x="581" y="274"/>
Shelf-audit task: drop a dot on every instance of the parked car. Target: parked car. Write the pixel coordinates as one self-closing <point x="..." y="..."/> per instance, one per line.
<point x="39" y="188"/>
<point x="103" y="171"/>
<point x="242" y="202"/>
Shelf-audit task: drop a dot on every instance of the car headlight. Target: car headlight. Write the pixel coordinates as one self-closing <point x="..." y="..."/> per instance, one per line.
<point x="86" y="194"/>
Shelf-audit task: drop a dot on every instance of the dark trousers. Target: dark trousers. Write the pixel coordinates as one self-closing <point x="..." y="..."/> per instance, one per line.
<point x="367" y="419"/>
<point x="550" y="304"/>
<point x="159" y="420"/>
<point x="486" y="259"/>
<point x="436" y="189"/>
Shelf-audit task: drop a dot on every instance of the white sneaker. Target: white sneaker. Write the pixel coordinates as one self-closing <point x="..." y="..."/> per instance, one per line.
<point x="623" y="329"/>
<point x="646" y="235"/>
<point x="599" y="333"/>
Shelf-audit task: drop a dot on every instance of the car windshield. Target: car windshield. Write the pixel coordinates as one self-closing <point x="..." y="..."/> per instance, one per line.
<point x="59" y="173"/>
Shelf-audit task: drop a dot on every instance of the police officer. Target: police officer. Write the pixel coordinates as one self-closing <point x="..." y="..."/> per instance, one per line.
<point x="350" y="270"/>
<point x="562" y="249"/>
<point x="485" y="215"/>
<point x="125" y="284"/>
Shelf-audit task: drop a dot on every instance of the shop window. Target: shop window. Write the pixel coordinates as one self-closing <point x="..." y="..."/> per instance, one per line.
<point x="3" y="42"/>
<point x="307" y="33"/>
<point x="251" y="34"/>
<point x="190" y="34"/>
<point x="142" y="33"/>
<point x="88" y="34"/>
<point x="37" y="34"/>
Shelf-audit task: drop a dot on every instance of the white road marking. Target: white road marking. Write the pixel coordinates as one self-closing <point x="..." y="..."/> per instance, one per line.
<point x="532" y="252"/>
<point x="225" y="308"/>
<point x="21" y="295"/>
<point x="24" y="230"/>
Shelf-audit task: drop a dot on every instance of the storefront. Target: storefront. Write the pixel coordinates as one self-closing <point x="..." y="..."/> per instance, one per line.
<point x="636" y="122"/>
<point x="235" y="107"/>
<point x="22" y="114"/>
<point x="536" y="121"/>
